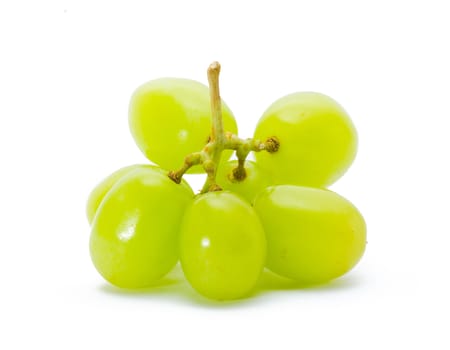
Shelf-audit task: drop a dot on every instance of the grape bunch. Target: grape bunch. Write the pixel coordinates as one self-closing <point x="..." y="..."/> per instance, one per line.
<point x="274" y="212"/>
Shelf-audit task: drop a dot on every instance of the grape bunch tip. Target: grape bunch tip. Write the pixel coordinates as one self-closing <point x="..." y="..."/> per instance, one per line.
<point x="274" y="212"/>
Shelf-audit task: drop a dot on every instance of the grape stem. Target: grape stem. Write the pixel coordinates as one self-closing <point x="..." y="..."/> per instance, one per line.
<point x="220" y="140"/>
<point x="217" y="138"/>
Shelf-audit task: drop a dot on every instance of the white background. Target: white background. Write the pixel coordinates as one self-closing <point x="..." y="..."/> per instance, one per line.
<point x="67" y="70"/>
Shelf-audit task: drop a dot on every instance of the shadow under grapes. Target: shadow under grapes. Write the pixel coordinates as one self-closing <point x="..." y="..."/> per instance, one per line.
<point x="175" y="287"/>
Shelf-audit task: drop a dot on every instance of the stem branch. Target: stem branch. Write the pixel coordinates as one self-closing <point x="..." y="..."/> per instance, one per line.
<point x="210" y="156"/>
<point x="189" y="161"/>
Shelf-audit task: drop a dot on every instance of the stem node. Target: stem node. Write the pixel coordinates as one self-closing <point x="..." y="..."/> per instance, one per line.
<point x="272" y="144"/>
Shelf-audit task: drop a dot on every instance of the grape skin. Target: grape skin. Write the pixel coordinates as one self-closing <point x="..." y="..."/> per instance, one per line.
<point x="255" y="181"/>
<point x="99" y="192"/>
<point x="318" y="140"/>
<point x="170" y="118"/>
<point x="313" y="235"/>
<point x="222" y="246"/>
<point x="134" y="238"/>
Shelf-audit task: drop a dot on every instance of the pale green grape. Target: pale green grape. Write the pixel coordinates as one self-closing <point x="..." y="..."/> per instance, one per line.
<point x="222" y="246"/>
<point x="313" y="235"/>
<point x="134" y="238"/>
<point x="255" y="181"/>
<point x="98" y="193"/>
<point x="170" y="118"/>
<point x="317" y="138"/>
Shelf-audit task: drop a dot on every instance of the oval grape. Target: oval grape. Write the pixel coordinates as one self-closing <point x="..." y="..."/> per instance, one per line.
<point x="313" y="235"/>
<point x="318" y="140"/>
<point x="134" y="238"/>
<point x="222" y="246"/>
<point x="170" y="118"/>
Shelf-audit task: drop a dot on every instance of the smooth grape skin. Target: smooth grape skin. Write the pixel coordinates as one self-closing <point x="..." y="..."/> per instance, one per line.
<point x="99" y="192"/>
<point x="134" y="238"/>
<point x="318" y="140"/>
<point x="255" y="181"/>
<point x="222" y="246"/>
<point x="313" y="235"/>
<point x="170" y="118"/>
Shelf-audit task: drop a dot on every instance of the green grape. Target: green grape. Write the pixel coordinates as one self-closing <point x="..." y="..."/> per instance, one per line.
<point x="222" y="246"/>
<point x="255" y="181"/>
<point x="170" y="118"/>
<point x="313" y="235"/>
<point x="134" y="238"/>
<point x="317" y="138"/>
<point x="99" y="192"/>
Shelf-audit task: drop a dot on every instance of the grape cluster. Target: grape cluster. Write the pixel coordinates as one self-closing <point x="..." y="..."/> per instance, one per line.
<point x="274" y="212"/>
